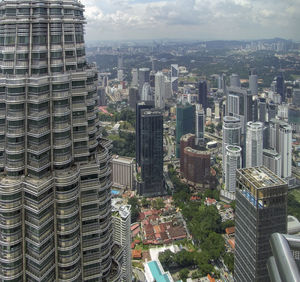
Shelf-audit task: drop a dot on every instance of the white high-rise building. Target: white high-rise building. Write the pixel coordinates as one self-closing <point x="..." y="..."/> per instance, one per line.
<point x="121" y="216"/>
<point x="253" y="84"/>
<point x="233" y="162"/>
<point x="120" y="75"/>
<point x="272" y="160"/>
<point x="160" y="90"/>
<point x="232" y="131"/>
<point x="135" y="78"/>
<point x="235" y="80"/>
<point x="281" y="141"/>
<point x="200" y="125"/>
<point x="174" y="77"/>
<point x="254" y="144"/>
<point x="146" y="93"/>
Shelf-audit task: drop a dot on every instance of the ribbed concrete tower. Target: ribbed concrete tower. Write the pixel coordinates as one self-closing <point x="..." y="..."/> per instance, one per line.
<point x="55" y="200"/>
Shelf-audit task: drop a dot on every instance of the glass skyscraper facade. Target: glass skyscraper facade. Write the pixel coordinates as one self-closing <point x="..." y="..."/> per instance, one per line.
<point x="55" y="198"/>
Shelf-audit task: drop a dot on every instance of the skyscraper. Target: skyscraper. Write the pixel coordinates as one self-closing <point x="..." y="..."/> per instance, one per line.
<point x="121" y="215"/>
<point x="143" y="77"/>
<point x="152" y="153"/>
<point x="254" y="144"/>
<point x="138" y="132"/>
<point x="235" y="80"/>
<point x="146" y="93"/>
<point x="135" y="78"/>
<point x="253" y="84"/>
<point x="55" y="205"/>
<point x="233" y="162"/>
<point x="231" y="135"/>
<point x="261" y="209"/>
<point x="133" y="97"/>
<point x="160" y="90"/>
<point x="262" y="110"/>
<point x="185" y="123"/>
<point x="202" y="95"/>
<point x="280" y="87"/>
<point x="174" y="77"/>
<point x="281" y="142"/>
<point x="200" y="125"/>
<point x="272" y="160"/>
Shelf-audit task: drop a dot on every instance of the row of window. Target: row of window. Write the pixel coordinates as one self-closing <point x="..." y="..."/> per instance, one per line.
<point x="41" y="39"/>
<point x="40" y="11"/>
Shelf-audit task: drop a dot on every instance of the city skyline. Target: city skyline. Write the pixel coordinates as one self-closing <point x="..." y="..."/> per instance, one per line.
<point x="205" y="20"/>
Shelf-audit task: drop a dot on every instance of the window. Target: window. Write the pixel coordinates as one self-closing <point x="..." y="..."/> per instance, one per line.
<point x="16" y="90"/>
<point x="41" y="89"/>
<point x="24" y="11"/>
<point x="55" y="11"/>
<point x="68" y="12"/>
<point x="56" y="69"/>
<point x="8" y="57"/>
<point x="39" y="56"/>
<point x="55" y="39"/>
<point x="40" y="11"/>
<point x="56" y="55"/>
<point x="80" y="52"/>
<point x="1" y="41"/>
<point x="78" y="84"/>
<point x="40" y="39"/>
<point x="8" y="71"/>
<point x="21" y="71"/>
<point x="69" y="54"/>
<point x="69" y="38"/>
<point x="22" y="56"/>
<point x="60" y="87"/>
<point x="10" y="11"/>
<point x="79" y="38"/>
<point x="23" y="39"/>
<point x="10" y="40"/>
<point x="70" y="67"/>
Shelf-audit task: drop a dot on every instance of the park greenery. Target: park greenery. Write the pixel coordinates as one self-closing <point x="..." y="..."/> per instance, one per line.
<point x="135" y="208"/>
<point x="294" y="203"/>
<point x="123" y="144"/>
<point x="126" y="115"/>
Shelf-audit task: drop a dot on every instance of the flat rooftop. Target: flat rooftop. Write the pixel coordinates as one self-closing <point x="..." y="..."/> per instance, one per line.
<point x="121" y="159"/>
<point x="261" y="177"/>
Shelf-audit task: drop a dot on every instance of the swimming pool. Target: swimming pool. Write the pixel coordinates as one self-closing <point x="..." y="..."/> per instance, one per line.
<point x="156" y="273"/>
<point x="115" y="192"/>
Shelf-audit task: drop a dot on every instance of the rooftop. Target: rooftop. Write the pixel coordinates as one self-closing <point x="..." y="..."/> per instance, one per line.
<point x="125" y="160"/>
<point x="260" y="177"/>
<point x="118" y="206"/>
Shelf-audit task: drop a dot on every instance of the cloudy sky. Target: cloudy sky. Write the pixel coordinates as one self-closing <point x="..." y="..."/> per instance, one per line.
<point x="192" y="19"/>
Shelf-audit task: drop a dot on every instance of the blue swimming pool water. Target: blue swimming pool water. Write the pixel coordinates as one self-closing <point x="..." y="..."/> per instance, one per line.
<point x="115" y="192"/>
<point x="157" y="275"/>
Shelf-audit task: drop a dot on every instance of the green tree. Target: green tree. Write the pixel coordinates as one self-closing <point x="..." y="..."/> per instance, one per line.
<point x="229" y="261"/>
<point x="145" y="203"/>
<point x="184" y="274"/>
<point x="166" y="258"/>
<point x="135" y="208"/>
<point x="226" y="224"/>
<point x="158" y="204"/>
<point x="233" y="205"/>
<point x="214" y="245"/>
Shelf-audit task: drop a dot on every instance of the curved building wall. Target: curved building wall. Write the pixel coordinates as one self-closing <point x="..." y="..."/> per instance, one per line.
<point x="55" y="200"/>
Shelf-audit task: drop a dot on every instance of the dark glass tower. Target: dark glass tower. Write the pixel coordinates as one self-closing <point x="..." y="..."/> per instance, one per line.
<point x="202" y="97"/>
<point x="151" y="159"/>
<point x="55" y="187"/>
<point x="280" y="87"/>
<point x="185" y="123"/>
<point x="261" y="210"/>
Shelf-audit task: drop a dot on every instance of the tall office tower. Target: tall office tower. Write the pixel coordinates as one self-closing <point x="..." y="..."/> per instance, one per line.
<point x="217" y="110"/>
<point x="120" y="62"/>
<point x="146" y="93"/>
<point x="261" y="209"/>
<point x="296" y="97"/>
<point x="253" y="84"/>
<point x="281" y="141"/>
<point x="135" y="78"/>
<point x="280" y="87"/>
<point x="121" y="215"/>
<point x="239" y="104"/>
<point x="160" y="90"/>
<point x="138" y="146"/>
<point x="185" y="123"/>
<point x="174" y="77"/>
<point x="254" y="144"/>
<point x="152" y="153"/>
<point x="200" y="125"/>
<point x="272" y="160"/>
<point x="235" y="80"/>
<point x="152" y="80"/>
<point x="55" y="183"/>
<point x="143" y="77"/>
<point x="202" y="94"/>
<point x="133" y="97"/>
<point x="272" y="111"/>
<point x="255" y="108"/>
<point x="120" y="75"/>
<point x="168" y="89"/>
<point x="233" y="162"/>
<point x="232" y="132"/>
<point x="101" y="96"/>
<point x="262" y="110"/>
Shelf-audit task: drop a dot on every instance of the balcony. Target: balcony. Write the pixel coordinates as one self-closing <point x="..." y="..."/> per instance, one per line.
<point x="60" y="95"/>
<point x="68" y="243"/>
<point x="64" y="212"/>
<point x="38" y="131"/>
<point x="67" y="227"/>
<point x="69" y="275"/>
<point x="68" y="260"/>
<point x="62" y="159"/>
<point x="67" y="196"/>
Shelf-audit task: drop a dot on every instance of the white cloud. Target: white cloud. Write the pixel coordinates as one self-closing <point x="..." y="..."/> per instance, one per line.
<point x="197" y="19"/>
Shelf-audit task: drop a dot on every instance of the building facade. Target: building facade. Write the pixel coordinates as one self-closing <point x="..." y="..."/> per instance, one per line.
<point x="261" y="210"/>
<point x="200" y="125"/>
<point x="152" y="153"/>
<point x="272" y="160"/>
<point x="160" y="91"/>
<point x="202" y="95"/>
<point x="174" y="77"/>
<point x="233" y="162"/>
<point x="122" y="172"/>
<point x="121" y="215"/>
<point x="254" y="144"/>
<point x="55" y="187"/>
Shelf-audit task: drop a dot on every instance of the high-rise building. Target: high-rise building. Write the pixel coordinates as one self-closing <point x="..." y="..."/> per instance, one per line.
<point x="281" y="142"/>
<point x="121" y="215"/>
<point x="185" y="123"/>
<point x="253" y="84"/>
<point x="120" y="75"/>
<point x="55" y="183"/>
<point x="101" y="96"/>
<point x="239" y="104"/>
<point x="160" y="91"/>
<point x="202" y="95"/>
<point x="138" y="132"/>
<point x="174" y="77"/>
<point x="143" y="77"/>
<point x="133" y="97"/>
<point x="200" y="125"/>
<point x="152" y="153"/>
<point x="272" y="111"/>
<point x="135" y="78"/>
<point x="272" y="160"/>
<point x="280" y="86"/>
<point x="254" y="144"/>
<point x="146" y="93"/>
<point x="122" y="172"/>
<point x="261" y="209"/>
<point x="296" y="97"/>
<point x="231" y="135"/>
<point x="235" y="80"/>
<point x="233" y="162"/>
<point x="262" y="110"/>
